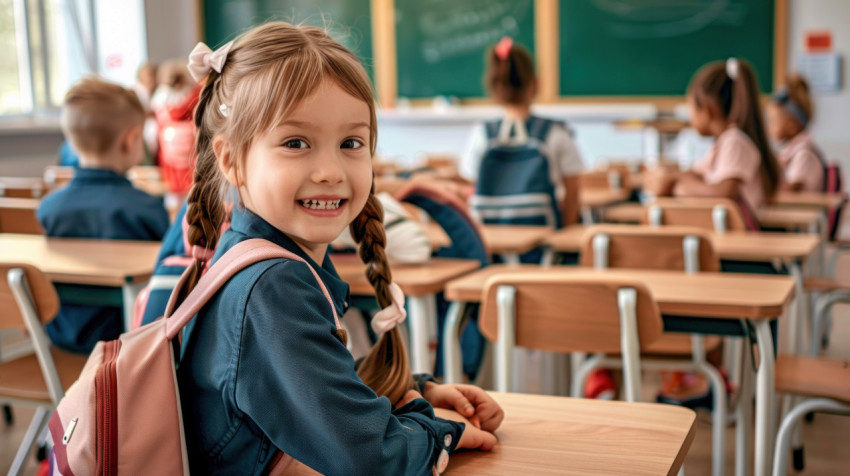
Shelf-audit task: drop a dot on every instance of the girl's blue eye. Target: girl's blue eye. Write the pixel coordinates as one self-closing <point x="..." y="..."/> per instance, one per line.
<point x="295" y="144"/>
<point x="351" y="144"/>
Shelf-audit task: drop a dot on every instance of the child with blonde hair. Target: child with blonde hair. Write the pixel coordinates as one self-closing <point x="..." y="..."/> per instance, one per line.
<point x="103" y="122"/>
<point x="287" y="118"/>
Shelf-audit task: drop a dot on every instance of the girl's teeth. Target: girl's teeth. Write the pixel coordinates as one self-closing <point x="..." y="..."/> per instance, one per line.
<point x="321" y="204"/>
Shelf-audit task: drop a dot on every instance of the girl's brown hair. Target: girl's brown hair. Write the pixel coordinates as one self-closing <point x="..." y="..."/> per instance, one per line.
<point x="509" y="77"/>
<point x="737" y="100"/>
<point x="268" y="72"/>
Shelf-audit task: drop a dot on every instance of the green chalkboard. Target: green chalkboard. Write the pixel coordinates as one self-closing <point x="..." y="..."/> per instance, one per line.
<point x="348" y="21"/>
<point x="441" y="43"/>
<point x="642" y="47"/>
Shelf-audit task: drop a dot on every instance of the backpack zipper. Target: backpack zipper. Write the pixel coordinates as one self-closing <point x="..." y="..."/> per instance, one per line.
<point x="107" y="404"/>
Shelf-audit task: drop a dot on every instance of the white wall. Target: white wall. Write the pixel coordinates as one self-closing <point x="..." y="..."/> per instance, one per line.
<point x="831" y="128"/>
<point x="173" y="28"/>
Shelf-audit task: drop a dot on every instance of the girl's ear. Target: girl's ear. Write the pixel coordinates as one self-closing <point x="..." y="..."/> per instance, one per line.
<point x="225" y="159"/>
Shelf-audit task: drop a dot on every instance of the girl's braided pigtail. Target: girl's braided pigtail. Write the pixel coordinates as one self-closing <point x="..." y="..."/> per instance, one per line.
<point x="205" y="210"/>
<point x="385" y="369"/>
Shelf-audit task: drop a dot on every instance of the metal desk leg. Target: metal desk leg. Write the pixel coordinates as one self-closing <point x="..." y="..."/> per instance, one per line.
<point x="511" y="259"/>
<point x="420" y="358"/>
<point x="799" y="312"/>
<point x="744" y="423"/>
<point x="129" y="292"/>
<point x="765" y="393"/>
<point x="452" y="366"/>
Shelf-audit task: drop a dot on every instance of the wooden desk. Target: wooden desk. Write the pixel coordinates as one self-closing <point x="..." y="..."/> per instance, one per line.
<point x="743" y="246"/>
<point x="123" y="264"/>
<point x="511" y="241"/>
<point x="790" y="218"/>
<point x="601" y="197"/>
<point x="18" y="215"/>
<point x="420" y="283"/>
<point x="560" y="435"/>
<point x="808" y="199"/>
<point x="699" y="303"/>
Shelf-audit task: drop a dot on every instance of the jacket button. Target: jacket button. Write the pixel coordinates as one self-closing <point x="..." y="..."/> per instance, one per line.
<point x="447" y="440"/>
<point x="442" y="461"/>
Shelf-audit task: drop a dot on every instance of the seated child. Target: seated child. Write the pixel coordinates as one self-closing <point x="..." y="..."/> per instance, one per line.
<point x="103" y="122"/>
<point x="788" y="115"/>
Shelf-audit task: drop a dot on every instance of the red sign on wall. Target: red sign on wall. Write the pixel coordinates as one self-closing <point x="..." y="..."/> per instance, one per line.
<point x="818" y="41"/>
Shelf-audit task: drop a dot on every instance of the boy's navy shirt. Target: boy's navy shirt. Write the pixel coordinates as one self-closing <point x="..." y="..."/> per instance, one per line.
<point x="262" y="370"/>
<point x="96" y="203"/>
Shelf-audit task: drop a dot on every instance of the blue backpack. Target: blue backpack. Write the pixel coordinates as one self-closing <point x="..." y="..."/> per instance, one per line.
<point x="514" y="181"/>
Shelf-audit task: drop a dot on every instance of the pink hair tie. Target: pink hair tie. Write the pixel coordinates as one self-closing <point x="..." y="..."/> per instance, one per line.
<point x="389" y="317"/>
<point x="503" y="48"/>
<point x="202" y="254"/>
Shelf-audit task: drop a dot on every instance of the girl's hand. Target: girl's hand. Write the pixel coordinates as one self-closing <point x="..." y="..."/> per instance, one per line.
<point x="472" y="438"/>
<point x="470" y="401"/>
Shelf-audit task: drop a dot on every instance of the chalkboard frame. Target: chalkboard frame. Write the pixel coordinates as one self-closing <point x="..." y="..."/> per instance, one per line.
<point x="546" y="39"/>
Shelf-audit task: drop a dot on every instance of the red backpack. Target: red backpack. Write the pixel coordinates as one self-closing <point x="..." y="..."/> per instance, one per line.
<point x="123" y="413"/>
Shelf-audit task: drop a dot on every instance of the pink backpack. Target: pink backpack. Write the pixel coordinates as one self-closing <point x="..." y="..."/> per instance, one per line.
<point x="123" y="413"/>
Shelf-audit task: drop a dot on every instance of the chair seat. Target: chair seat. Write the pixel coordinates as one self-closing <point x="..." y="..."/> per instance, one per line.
<point x="22" y="378"/>
<point x="826" y="284"/>
<point x="813" y="377"/>
<point x="675" y="344"/>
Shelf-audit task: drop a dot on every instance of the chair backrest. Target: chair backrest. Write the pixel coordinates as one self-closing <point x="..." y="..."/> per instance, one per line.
<point x="716" y="214"/>
<point x="613" y="178"/>
<point x="18" y="215"/>
<point x="21" y="187"/>
<point x="45" y="301"/>
<point x="29" y="301"/>
<point x="57" y="175"/>
<point x="563" y="313"/>
<point x="642" y="247"/>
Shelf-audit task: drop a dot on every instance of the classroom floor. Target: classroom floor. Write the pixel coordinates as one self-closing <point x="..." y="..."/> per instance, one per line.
<point x="826" y="438"/>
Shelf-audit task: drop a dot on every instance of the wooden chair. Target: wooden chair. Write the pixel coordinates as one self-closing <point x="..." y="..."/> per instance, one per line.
<point x="590" y="314"/>
<point x="57" y="175"/>
<point x="29" y="301"/>
<point x="665" y="248"/>
<point x="18" y="215"/>
<point x="609" y="179"/>
<point x="21" y="187"/>
<point x="716" y="214"/>
<point x="824" y="382"/>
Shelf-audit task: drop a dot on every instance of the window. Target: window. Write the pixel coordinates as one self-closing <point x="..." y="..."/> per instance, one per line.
<point x="44" y="44"/>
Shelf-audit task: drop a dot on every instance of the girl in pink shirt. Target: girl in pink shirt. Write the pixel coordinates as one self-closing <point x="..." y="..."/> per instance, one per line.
<point x="723" y="102"/>
<point x="788" y="117"/>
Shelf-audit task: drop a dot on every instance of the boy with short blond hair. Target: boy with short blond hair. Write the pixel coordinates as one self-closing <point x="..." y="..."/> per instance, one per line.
<point x="103" y="122"/>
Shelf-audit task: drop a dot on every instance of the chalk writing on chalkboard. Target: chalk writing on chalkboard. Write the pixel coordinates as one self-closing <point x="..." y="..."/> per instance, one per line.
<point x="665" y="19"/>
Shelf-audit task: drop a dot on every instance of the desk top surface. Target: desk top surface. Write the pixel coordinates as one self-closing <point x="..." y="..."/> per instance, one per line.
<point x="593" y="197"/>
<point x="721" y="295"/>
<point x="414" y="280"/>
<point x="788" y="217"/>
<point x="730" y="245"/>
<point x="83" y="261"/>
<point x="823" y="200"/>
<point x="560" y="435"/>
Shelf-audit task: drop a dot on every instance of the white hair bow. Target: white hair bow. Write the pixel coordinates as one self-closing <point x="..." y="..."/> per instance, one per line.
<point x="389" y="317"/>
<point x="202" y="59"/>
<point x="732" y="68"/>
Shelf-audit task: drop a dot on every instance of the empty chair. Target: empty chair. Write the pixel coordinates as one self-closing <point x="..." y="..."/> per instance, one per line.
<point x="29" y="301"/>
<point x="716" y="214"/>
<point x="591" y="314"/>
<point x="824" y="382"/>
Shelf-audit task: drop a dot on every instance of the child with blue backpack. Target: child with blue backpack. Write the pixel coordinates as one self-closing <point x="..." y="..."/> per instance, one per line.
<point x="287" y="118"/>
<point x="525" y="167"/>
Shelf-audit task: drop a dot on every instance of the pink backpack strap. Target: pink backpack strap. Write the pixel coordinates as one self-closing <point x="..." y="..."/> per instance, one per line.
<point x="237" y="258"/>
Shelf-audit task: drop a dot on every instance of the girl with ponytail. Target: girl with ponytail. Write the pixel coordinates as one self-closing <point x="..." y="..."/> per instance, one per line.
<point x="789" y="114"/>
<point x="723" y="99"/>
<point x="286" y="119"/>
